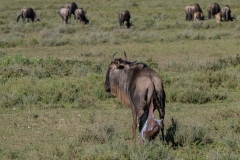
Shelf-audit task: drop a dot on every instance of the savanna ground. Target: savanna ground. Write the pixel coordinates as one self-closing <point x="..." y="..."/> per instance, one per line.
<point x="52" y="100"/>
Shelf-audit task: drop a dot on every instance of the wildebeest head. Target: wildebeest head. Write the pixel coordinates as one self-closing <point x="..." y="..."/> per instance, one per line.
<point x="117" y="63"/>
<point x="129" y="24"/>
<point x="36" y="19"/>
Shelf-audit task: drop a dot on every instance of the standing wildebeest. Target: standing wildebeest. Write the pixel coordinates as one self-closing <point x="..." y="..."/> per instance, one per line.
<point x="138" y="86"/>
<point x="213" y="9"/>
<point x="189" y="11"/>
<point x="197" y="16"/>
<point x="72" y="8"/>
<point x="28" y="13"/>
<point x="124" y="16"/>
<point x="80" y="15"/>
<point x="226" y="13"/>
<point x="64" y="14"/>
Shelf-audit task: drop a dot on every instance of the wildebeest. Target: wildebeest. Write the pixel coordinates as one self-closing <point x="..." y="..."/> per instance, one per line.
<point x="28" y="13"/>
<point x="189" y="11"/>
<point x="64" y="14"/>
<point x="226" y="13"/>
<point x="124" y="16"/>
<point x="218" y="17"/>
<point x="213" y="9"/>
<point x="138" y="86"/>
<point x="80" y="15"/>
<point x="198" y="16"/>
<point x="72" y="8"/>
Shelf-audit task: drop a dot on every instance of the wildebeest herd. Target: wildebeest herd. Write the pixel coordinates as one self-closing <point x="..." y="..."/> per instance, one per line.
<point x="72" y="8"/>
<point x="194" y="13"/>
<point x="136" y="84"/>
<point x="64" y="13"/>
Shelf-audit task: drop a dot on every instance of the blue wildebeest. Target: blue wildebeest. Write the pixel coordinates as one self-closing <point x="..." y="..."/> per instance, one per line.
<point x="64" y="14"/>
<point x="28" y="13"/>
<point x="213" y="9"/>
<point x="189" y="11"/>
<point x="138" y="86"/>
<point x="124" y="16"/>
<point x="72" y="8"/>
<point x="80" y="15"/>
<point x="226" y="13"/>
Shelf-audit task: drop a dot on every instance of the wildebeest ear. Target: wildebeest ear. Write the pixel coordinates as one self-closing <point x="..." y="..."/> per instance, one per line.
<point x="125" y="55"/>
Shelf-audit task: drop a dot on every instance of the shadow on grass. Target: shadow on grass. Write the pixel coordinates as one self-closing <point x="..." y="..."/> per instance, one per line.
<point x="170" y="134"/>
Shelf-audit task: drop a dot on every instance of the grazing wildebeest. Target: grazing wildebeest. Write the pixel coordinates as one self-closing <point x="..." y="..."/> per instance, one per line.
<point x="72" y="8"/>
<point x="189" y="11"/>
<point x="64" y="14"/>
<point x="218" y="17"/>
<point x="138" y="86"/>
<point x="124" y="16"/>
<point x="80" y="15"/>
<point x="198" y="16"/>
<point x="28" y="13"/>
<point x="226" y="13"/>
<point x="213" y="9"/>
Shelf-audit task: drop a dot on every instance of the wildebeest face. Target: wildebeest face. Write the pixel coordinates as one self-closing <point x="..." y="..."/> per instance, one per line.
<point x="37" y="20"/>
<point x="129" y="25"/>
<point x="86" y="21"/>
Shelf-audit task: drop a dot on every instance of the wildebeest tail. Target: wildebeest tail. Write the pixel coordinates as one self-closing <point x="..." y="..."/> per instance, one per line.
<point x="19" y="17"/>
<point x="120" y="20"/>
<point x="142" y="120"/>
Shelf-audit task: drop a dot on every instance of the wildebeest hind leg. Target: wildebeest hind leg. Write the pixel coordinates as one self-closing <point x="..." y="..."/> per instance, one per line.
<point x="161" y="112"/>
<point x="134" y="124"/>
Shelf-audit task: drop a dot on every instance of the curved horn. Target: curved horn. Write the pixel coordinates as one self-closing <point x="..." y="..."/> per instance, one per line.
<point x="113" y="56"/>
<point x="125" y="55"/>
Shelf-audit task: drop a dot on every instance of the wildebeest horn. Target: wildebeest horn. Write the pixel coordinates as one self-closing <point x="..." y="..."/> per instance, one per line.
<point x="125" y="55"/>
<point x="113" y="56"/>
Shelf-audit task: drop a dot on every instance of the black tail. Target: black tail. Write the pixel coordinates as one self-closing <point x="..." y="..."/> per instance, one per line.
<point x="142" y="120"/>
<point x="120" y="21"/>
<point x="19" y="17"/>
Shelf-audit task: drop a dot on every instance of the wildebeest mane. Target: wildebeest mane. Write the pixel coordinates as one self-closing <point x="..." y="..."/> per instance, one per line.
<point x="197" y="8"/>
<point x="216" y="8"/>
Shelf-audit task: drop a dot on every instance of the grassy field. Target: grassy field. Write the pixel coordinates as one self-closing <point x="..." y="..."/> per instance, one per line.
<point x="52" y="99"/>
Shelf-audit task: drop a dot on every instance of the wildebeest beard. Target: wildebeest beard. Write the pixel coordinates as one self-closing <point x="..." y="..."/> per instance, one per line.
<point x="142" y="120"/>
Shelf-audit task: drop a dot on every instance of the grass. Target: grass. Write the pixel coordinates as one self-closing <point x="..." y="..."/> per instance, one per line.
<point x="52" y="100"/>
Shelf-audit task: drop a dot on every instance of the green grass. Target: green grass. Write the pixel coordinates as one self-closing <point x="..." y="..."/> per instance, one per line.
<point x="52" y="99"/>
